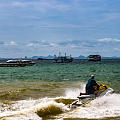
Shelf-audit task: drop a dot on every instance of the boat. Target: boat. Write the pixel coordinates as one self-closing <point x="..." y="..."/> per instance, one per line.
<point x="85" y="98"/>
<point x="17" y="63"/>
<point x="94" y="58"/>
<point x="27" y="62"/>
<point x="62" y="59"/>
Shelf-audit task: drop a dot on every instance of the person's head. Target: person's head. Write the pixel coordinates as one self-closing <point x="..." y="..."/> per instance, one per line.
<point x="92" y="76"/>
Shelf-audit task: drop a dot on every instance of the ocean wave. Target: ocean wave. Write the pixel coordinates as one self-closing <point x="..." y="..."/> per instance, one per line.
<point x="58" y="107"/>
<point x="41" y="107"/>
<point x="102" y="107"/>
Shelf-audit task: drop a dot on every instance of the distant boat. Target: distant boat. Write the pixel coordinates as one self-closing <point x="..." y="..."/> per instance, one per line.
<point x="62" y="59"/>
<point x="94" y="58"/>
<point x="17" y="63"/>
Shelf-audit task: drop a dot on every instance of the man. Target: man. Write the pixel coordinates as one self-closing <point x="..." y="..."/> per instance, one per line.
<point x="91" y="86"/>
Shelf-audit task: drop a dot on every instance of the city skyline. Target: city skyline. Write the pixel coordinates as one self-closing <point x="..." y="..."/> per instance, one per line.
<point x="44" y="27"/>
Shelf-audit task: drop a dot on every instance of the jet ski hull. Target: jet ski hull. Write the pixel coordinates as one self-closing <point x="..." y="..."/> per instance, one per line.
<point x="84" y="98"/>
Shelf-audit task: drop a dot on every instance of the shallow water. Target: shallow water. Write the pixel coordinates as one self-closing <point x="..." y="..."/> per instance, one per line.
<point x="31" y="92"/>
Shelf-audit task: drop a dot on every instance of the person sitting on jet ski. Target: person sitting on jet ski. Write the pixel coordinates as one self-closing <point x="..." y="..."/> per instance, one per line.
<point x="91" y="86"/>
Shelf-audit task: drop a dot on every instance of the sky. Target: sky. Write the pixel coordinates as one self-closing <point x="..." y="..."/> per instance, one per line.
<point x="47" y="27"/>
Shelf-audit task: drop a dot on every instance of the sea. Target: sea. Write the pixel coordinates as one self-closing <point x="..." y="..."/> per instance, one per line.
<point x="46" y="90"/>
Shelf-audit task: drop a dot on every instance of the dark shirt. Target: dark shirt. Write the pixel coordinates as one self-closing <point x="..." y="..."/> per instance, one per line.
<point x="91" y="82"/>
<point x="89" y="87"/>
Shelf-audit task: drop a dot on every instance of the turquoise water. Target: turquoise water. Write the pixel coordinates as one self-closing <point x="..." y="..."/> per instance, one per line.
<point x="106" y="71"/>
<point x="51" y="80"/>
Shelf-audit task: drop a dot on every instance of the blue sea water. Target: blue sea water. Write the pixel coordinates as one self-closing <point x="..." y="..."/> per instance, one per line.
<point x="46" y="81"/>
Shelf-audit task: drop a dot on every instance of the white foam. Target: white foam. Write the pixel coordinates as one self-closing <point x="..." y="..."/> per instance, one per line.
<point x="28" y="116"/>
<point x="73" y="93"/>
<point x="24" y="109"/>
<point x="106" y="106"/>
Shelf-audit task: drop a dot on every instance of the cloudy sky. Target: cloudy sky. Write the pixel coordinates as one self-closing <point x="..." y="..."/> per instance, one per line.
<point x="43" y="27"/>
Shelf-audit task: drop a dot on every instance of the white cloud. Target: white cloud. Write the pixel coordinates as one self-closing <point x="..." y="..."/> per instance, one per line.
<point x="111" y="16"/>
<point x="109" y="40"/>
<point x="32" y="44"/>
<point x="117" y="49"/>
<point x="53" y="44"/>
<point x="43" y="5"/>
<point x="11" y="43"/>
<point x="74" y="46"/>
<point x="41" y="43"/>
<point x="20" y="4"/>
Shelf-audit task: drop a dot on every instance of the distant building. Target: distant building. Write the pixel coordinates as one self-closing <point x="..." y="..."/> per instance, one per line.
<point x="94" y="58"/>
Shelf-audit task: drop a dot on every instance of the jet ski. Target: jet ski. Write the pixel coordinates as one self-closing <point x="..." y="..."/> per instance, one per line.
<point x="85" y="98"/>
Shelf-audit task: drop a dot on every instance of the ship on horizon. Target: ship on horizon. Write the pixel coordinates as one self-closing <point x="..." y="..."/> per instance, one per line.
<point x="62" y="59"/>
<point x="17" y="63"/>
